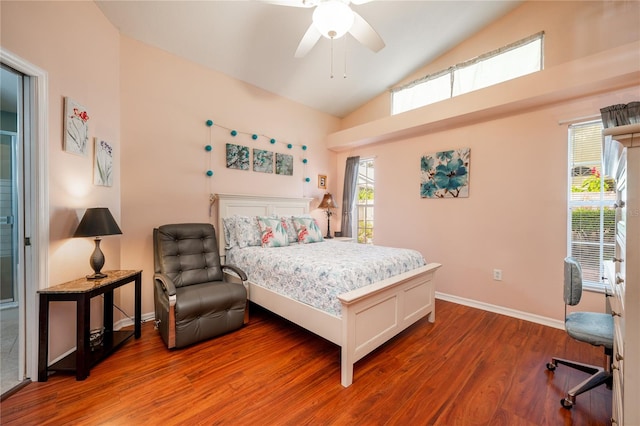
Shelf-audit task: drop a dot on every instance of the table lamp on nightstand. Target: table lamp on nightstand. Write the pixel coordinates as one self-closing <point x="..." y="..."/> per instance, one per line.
<point x="328" y="204"/>
<point x="97" y="222"/>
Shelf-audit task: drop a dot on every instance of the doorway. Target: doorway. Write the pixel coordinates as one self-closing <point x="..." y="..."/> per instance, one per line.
<point x="23" y="233"/>
<point x="12" y="364"/>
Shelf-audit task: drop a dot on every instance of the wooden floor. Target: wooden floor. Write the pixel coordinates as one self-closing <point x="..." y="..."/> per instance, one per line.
<point x="469" y="368"/>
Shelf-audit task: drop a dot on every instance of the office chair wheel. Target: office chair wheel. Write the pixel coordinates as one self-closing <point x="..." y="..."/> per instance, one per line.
<point x="566" y="403"/>
<point x="551" y="366"/>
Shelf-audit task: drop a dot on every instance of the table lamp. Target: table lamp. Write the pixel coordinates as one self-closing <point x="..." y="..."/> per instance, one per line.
<point x="328" y="204"/>
<point x="97" y="222"/>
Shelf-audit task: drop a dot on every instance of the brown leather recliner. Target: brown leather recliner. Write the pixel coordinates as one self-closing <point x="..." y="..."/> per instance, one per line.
<point x="195" y="299"/>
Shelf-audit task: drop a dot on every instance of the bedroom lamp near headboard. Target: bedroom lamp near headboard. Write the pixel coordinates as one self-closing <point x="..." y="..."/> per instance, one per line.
<point x="328" y="204"/>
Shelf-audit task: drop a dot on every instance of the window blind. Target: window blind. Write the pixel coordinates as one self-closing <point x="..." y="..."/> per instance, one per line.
<point x="591" y="227"/>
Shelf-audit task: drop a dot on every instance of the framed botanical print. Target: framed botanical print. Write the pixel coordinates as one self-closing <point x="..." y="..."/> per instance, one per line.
<point x="103" y="164"/>
<point x="76" y="127"/>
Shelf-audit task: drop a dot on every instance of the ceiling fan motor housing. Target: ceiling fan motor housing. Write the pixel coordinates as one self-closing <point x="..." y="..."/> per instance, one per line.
<point x="333" y="18"/>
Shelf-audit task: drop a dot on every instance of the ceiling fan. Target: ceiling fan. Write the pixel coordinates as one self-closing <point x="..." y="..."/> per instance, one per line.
<point x="333" y="19"/>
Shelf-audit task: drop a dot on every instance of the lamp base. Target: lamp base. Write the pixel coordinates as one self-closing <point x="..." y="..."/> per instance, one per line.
<point x="328" y="236"/>
<point x="97" y="276"/>
<point x="97" y="262"/>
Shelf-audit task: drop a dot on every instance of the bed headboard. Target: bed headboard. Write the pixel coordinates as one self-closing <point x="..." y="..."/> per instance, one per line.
<point x="256" y="205"/>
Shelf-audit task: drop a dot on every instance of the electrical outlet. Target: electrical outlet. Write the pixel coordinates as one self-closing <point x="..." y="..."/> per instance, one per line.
<point x="497" y="274"/>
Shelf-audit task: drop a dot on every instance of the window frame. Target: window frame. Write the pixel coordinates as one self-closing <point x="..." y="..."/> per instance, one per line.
<point x="412" y="88"/>
<point x="601" y="203"/>
<point x="367" y="206"/>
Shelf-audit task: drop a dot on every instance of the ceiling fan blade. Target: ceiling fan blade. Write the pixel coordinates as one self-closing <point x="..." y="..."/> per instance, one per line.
<point x="365" y="34"/>
<point x="309" y="40"/>
<point x="292" y="3"/>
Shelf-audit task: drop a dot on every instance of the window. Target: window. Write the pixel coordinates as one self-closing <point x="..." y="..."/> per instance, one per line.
<point x="365" y="202"/>
<point x="435" y="89"/>
<point x="509" y="62"/>
<point x="591" y="221"/>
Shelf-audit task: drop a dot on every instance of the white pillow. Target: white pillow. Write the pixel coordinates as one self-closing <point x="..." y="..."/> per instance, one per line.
<point x="229" y="229"/>
<point x="247" y="231"/>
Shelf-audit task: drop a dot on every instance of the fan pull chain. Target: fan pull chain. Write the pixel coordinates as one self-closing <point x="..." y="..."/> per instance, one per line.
<point x="331" y="57"/>
<point x="345" y="56"/>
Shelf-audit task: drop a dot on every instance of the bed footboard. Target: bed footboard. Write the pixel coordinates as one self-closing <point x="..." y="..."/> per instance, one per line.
<point x="374" y="314"/>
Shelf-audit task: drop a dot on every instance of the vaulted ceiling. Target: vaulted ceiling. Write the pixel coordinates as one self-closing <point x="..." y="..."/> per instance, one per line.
<point x="255" y="41"/>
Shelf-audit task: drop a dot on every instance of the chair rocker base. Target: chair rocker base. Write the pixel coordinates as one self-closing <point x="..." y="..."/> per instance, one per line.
<point x="598" y="377"/>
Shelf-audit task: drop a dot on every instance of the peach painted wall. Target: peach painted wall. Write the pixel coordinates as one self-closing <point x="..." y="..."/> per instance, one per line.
<point x="516" y="216"/>
<point x="80" y="51"/>
<point x="165" y="104"/>
<point x="573" y="29"/>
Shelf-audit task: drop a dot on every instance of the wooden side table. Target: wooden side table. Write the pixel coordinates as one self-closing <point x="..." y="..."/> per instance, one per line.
<point x="81" y="291"/>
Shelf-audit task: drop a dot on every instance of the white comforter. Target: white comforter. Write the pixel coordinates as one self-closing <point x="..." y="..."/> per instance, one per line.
<point x="316" y="273"/>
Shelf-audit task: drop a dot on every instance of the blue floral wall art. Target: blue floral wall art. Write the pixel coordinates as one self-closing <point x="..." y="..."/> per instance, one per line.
<point x="445" y="174"/>
<point x="237" y="157"/>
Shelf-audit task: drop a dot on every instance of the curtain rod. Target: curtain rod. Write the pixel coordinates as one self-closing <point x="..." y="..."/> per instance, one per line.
<point x="574" y="120"/>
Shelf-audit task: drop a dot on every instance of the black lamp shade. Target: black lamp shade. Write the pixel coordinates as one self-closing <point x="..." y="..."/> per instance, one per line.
<point x="97" y="222"/>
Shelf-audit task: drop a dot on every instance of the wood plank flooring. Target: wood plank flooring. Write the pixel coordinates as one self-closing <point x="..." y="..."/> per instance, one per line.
<point x="470" y="367"/>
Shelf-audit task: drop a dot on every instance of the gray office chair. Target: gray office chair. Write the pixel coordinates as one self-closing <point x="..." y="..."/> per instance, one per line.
<point x="589" y="327"/>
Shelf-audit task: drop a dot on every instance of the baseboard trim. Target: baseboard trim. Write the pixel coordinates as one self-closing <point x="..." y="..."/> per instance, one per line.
<point x="128" y="321"/>
<point x="538" y="319"/>
<point x="116" y="326"/>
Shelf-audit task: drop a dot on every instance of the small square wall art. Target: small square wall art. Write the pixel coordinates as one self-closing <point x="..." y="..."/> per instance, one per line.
<point x="284" y="164"/>
<point x="445" y="174"/>
<point x="262" y="161"/>
<point x="237" y="157"/>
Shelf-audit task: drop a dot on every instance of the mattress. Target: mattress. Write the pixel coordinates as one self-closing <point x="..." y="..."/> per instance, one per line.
<point x="317" y="273"/>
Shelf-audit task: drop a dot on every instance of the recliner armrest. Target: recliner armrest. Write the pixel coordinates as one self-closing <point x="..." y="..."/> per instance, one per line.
<point x="237" y="270"/>
<point x="166" y="283"/>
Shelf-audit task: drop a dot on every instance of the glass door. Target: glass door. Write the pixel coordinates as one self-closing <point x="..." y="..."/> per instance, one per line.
<point x="12" y="362"/>
<point x="7" y="215"/>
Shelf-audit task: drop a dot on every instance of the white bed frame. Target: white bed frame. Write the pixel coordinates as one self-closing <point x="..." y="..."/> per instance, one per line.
<point x="371" y="315"/>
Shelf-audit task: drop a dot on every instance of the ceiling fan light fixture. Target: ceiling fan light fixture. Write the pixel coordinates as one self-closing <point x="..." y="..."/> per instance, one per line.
<point x="333" y="18"/>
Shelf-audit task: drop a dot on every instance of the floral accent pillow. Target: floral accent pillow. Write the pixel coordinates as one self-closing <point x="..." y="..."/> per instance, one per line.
<point x="247" y="231"/>
<point x="287" y="222"/>
<point x="273" y="233"/>
<point x="307" y="229"/>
